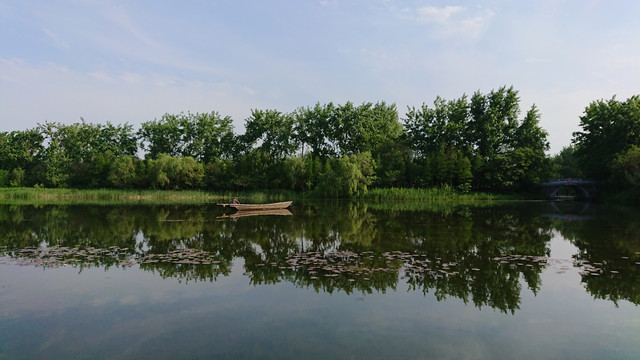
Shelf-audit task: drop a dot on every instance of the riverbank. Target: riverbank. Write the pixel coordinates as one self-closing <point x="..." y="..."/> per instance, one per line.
<point x="181" y="196"/>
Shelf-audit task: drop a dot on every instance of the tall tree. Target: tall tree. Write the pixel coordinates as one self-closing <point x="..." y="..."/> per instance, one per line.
<point x="494" y="119"/>
<point x="530" y="163"/>
<point x="271" y="132"/>
<point x="314" y="129"/>
<point x="608" y="128"/>
<point x="21" y="152"/>
<point x="205" y="137"/>
<point x="56" y="163"/>
<point x="432" y="129"/>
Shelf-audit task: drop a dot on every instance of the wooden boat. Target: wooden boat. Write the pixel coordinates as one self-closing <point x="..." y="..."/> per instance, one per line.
<point x="239" y="214"/>
<point x="271" y="206"/>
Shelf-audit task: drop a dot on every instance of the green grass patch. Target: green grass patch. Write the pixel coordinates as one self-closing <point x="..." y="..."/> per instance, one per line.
<point x="41" y="195"/>
<point x="434" y="194"/>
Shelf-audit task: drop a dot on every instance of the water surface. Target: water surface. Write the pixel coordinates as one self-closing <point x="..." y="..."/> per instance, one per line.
<point x="332" y="280"/>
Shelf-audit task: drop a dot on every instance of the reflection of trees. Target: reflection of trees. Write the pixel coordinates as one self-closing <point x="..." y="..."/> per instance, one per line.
<point x="457" y="251"/>
<point x="474" y="239"/>
<point x="611" y="243"/>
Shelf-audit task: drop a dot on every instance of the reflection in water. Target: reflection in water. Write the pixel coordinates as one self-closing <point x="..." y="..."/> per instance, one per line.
<point x="569" y="210"/>
<point x="609" y="241"/>
<point x="245" y="213"/>
<point x="478" y="255"/>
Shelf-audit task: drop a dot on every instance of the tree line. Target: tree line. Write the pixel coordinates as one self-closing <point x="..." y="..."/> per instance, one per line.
<point x="470" y="143"/>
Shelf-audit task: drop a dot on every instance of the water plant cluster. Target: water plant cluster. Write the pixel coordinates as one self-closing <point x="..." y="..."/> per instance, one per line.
<point x="331" y="271"/>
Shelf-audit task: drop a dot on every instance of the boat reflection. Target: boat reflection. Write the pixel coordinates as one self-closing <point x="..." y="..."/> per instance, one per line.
<point x="245" y="213"/>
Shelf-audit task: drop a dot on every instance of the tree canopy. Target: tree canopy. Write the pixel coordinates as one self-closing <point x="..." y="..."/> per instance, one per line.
<point x="609" y="129"/>
<point x="476" y="142"/>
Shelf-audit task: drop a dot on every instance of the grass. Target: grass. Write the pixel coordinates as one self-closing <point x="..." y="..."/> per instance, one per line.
<point x="14" y="195"/>
<point x="434" y="194"/>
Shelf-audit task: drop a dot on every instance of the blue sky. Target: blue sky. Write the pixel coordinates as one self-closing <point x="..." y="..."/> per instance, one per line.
<point x="133" y="61"/>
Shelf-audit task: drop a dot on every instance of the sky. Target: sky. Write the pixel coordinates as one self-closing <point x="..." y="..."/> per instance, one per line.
<point x="133" y="61"/>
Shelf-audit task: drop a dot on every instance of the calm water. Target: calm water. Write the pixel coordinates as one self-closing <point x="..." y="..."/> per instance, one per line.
<point x="338" y="280"/>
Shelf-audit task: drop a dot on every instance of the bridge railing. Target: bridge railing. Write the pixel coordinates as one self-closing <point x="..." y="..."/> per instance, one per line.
<point x="568" y="181"/>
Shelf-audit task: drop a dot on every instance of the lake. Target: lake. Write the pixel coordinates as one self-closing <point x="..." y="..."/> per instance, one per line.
<point x="333" y="280"/>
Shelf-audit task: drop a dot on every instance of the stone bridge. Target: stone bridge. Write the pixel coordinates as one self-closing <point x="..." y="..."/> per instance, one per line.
<point x="585" y="189"/>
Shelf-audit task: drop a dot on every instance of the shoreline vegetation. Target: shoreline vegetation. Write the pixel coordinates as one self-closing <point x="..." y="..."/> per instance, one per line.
<point x="127" y="195"/>
<point x="461" y="149"/>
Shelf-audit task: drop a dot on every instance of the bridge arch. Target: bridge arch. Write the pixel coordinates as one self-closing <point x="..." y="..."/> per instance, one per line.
<point x="585" y="189"/>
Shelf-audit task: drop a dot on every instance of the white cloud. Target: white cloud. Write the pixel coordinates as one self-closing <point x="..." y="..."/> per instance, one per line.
<point x="536" y="60"/>
<point x="449" y="21"/>
<point x="473" y="26"/>
<point x="163" y="80"/>
<point x="132" y="78"/>
<point x="433" y="14"/>
<point x="101" y="76"/>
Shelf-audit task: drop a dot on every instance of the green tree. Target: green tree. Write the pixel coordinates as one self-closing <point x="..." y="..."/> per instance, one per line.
<point x="56" y="162"/>
<point x="22" y="150"/>
<point x="207" y="137"/>
<point x="365" y="128"/>
<point x="314" y="129"/>
<point x="204" y="137"/>
<point x="609" y="128"/>
<point x="426" y="127"/>
<point x="494" y="120"/>
<point x="529" y="162"/>
<point x="566" y="164"/>
<point x="271" y="132"/>
<point x="161" y="136"/>
<point x="169" y="172"/>
<point x="393" y="159"/>
<point x="347" y="176"/>
<point x="218" y="174"/>
<point x="17" y="177"/>
<point x="493" y="123"/>
<point x="123" y="172"/>
<point x="626" y="168"/>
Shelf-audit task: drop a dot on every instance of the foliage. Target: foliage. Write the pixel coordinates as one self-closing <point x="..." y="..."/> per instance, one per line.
<point x="609" y="128"/>
<point x="566" y="164"/>
<point x="337" y="150"/>
<point x="625" y="169"/>
<point x="314" y="129"/>
<point x="124" y="172"/>
<point x="21" y="150"/>
<point x="348" y="176"/>
<point x="167" y="172"/>
<point x="270" y="132"/>
<point x="478" y="142"/>
<point x="204" y="137"/>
